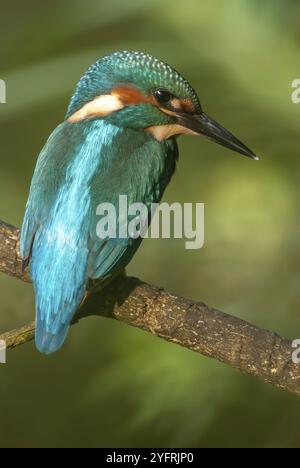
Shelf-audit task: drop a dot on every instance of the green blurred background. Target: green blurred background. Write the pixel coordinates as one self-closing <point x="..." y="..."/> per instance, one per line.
<point x="112" y="385"/>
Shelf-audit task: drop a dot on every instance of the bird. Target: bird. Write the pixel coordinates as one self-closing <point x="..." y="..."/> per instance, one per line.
<point x="119" y="136"/>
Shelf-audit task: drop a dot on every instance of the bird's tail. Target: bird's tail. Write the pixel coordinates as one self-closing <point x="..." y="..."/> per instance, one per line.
<point x="53" y="320"/>
<point x="60" y="285"/>
<point x="47" y="342"/>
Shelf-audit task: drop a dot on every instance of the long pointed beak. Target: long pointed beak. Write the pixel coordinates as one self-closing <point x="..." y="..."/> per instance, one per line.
<point x="202" y="124"/>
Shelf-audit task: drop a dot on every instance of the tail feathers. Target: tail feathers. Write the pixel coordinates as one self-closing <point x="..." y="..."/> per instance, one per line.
<point x="58" y="272"/>
<point x="47" y="342"/>
<point x="53" y="318"/>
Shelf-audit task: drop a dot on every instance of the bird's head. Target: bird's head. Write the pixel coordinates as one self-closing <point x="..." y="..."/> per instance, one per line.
<point x="136" y="90"/>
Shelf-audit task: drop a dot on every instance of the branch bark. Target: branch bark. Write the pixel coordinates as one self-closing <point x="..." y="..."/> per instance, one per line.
<point x="193" y="325"/>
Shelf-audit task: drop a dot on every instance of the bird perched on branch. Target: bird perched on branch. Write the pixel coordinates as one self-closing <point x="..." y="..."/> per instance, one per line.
<point x="118" y="137"/>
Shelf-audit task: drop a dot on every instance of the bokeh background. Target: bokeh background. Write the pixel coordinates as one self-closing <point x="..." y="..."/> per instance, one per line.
<point x="112" y="385"/>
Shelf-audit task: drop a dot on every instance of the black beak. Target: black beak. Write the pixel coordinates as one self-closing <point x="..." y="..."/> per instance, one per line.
<point x="202" y="124"/>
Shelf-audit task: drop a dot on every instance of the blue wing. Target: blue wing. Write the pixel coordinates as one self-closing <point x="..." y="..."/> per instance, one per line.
<point x="139" y="168"/>
<point x="78" y="169"/>
<point x="55" y="229"/>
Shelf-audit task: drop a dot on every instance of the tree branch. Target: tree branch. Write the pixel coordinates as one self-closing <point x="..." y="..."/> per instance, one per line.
<point x="191" y="324"/>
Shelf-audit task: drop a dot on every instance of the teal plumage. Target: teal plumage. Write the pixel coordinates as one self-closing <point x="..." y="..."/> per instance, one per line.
<point x="60" y="216"/>
<point x="144" y="70"/>
<point x="91" y="160"/>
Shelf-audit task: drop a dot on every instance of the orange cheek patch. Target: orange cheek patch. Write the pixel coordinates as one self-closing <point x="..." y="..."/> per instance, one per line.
<point x="183" y="105"/>
<point x="188" y="106"/>
<point x="106" y="104"/>
<point x="129" y="95"/>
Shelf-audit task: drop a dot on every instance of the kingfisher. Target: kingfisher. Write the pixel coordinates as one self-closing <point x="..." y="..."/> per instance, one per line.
<point x="119" y="137"/>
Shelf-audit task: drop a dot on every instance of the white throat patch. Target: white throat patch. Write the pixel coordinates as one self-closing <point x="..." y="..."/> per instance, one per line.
<point x="163" y="132"/>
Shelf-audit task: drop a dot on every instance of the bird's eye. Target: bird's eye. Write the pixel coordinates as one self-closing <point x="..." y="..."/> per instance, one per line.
<point x="162" y="95"/>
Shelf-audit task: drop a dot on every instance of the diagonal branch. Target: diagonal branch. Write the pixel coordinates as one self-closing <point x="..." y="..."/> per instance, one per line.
<point x="191" y="324"/>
